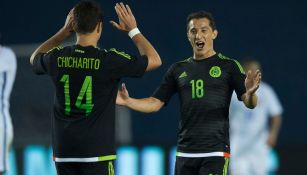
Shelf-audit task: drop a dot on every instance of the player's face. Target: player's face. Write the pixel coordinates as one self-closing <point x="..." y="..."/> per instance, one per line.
<point x="201" y="37"/>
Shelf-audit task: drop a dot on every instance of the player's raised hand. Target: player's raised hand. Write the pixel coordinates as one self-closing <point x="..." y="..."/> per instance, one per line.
<point x="122" y="95"/>
<point x="126" y="20"/>
<point x="68" y="26"/>
<point x="252" y="81"/>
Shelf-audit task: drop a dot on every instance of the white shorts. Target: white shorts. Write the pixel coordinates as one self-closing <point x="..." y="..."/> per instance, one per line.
<point x="252" y="162"/>
<point x="6" y="138"/>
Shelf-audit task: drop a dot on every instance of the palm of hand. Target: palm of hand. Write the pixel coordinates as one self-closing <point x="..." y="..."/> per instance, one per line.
<point x="252" y="81"/>
<point x="123" y="26"/>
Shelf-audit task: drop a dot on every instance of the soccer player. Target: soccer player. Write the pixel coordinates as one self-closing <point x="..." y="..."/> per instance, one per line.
<point x="250" y="137"/>
<point x="204" y="83"/>
<point x="86" y="81"/>
<point x="8" y="66"/>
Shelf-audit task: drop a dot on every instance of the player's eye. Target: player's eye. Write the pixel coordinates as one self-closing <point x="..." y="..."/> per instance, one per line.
<point x="193" y="31"/>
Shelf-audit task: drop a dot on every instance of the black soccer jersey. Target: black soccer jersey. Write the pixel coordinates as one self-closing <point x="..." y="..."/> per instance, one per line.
<point x="86" y="81"/>
<point x="205" y="88"/>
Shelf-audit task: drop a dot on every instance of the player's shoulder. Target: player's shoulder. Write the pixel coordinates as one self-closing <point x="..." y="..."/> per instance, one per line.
<point x="59" y="48"/>
<point x="7" y="55"/>
<point x="222" y="57"/>
<point x="7" y="51"/>
<point x="231" y="61"/>
<point x="116" y="53"/>
<point x="182" y="62"/>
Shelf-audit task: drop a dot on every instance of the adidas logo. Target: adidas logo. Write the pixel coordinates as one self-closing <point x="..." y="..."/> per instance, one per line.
<point x="183" y="74"/>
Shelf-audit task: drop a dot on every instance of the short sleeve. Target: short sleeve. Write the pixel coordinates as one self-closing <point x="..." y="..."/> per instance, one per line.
<point x="167" y="88"/>
<point x="274" y="106"/>
<point x="238" y="79"/>
<point x="122" y="65"/>
<point x="42" y="61"/>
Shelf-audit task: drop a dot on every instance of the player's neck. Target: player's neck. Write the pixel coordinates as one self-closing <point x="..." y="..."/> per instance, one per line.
<point x="205" y="55"/>
<point x="86" y="40"/>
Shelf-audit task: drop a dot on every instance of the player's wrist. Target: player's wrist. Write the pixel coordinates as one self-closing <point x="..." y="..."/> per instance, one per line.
<point x="128" y="101"/>
<point x="133" y="32"/>
<point x="250" y="93"/>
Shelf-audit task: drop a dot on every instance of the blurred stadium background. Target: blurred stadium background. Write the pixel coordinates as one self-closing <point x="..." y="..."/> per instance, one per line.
<point x="274" y="32"/>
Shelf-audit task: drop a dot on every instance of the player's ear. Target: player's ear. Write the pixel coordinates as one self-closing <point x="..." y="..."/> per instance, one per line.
<point x="74" y="26"/>
<point x="188" y="36"/>
<point x="99" y="27"/>
<point x="214" y="34"/>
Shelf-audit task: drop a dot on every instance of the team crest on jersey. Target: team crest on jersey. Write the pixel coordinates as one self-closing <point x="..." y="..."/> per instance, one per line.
<point x="215" y="72"/>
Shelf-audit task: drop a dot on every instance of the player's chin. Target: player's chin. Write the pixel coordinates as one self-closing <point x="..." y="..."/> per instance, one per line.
<point x="199" y="51"/>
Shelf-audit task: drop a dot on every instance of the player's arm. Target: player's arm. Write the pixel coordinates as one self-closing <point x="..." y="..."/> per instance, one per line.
<point x="127" y="23"/>
<point x="56" y="39"/>
<point x="146" y="105"/>
<point x="274" y="129"/>
<point x="252" y="83"/>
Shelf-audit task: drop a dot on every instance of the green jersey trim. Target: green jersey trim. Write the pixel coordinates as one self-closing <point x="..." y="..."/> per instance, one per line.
<point x="221" y="56"/>
<point x="57" y="48"/>
<point x="120" y="53"/>
<point x="185" y="60"/>
<point x="226" y="166"/>
<point x="111" y="168"/>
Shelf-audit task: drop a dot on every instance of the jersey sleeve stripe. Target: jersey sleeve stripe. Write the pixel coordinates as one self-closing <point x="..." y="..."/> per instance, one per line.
<point x="120" y="53"/>
<point x="221" y="56"/>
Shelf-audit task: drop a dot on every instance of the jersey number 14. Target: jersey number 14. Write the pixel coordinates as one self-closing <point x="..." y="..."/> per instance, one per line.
<point x="86" y="90"/>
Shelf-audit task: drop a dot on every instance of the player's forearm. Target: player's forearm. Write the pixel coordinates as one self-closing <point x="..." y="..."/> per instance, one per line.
<point x="250" y="100"/>
<point x="145" y="48"/>
<point x="275" y="125"/>
<point x="52" y="42"/>
<point x="146" y="105"/>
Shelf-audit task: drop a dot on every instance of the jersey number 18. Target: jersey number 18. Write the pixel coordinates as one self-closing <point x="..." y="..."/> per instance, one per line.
<point x="197" y="87"/>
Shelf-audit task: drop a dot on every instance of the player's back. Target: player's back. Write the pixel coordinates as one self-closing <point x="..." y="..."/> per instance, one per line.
<point x="86" y="81"/>
<point x="83" y="81"/>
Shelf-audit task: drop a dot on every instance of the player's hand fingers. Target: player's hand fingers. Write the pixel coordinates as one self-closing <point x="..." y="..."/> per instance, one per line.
<point x="124" y="10"/>
<point x="248" y="74"/>
<point x="119" y="9"/>
<point x="71" y="11"/>
<point x="129" y="10"/>
<point x="114" y="24"/>
<point x="124" y="87"/>
<point x="124" y="90"/>
<point x="256" y="73"/>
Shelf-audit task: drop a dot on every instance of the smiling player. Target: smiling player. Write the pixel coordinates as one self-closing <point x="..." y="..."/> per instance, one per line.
<point x="205" y="83"/>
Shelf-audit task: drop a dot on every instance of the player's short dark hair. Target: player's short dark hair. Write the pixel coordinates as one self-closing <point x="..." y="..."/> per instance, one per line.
<point x="87" y="14"/>
<point x="199" y="15"/>
<point x="250" y="60"/>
